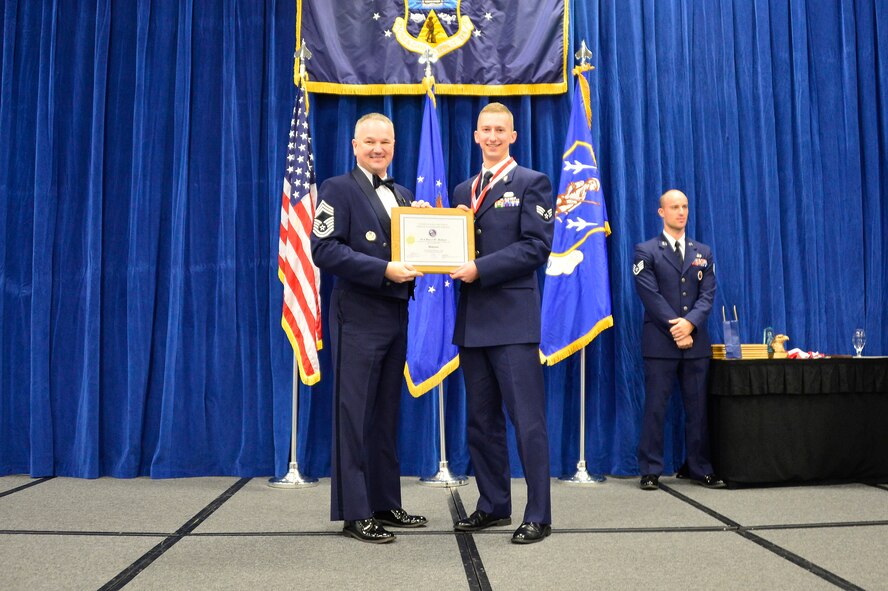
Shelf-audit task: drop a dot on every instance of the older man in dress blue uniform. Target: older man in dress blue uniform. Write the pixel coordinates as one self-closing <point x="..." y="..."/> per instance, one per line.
<point x="675" y="278"/>
<point x="498" y="328"/>
<point x="368" y="332"/>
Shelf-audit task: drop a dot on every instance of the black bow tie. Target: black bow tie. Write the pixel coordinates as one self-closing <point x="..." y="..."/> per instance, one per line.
<point x="388" y="182"/>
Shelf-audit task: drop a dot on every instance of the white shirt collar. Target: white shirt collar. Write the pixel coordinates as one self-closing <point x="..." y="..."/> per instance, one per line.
<point x="671" y="241"/>
<point x="386" y="196"/>
<point x="369" y="174"/>
<point x="496" y="166"/>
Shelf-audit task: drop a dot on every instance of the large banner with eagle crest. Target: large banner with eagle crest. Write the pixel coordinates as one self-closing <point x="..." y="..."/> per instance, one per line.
<point x="481" y="47"/>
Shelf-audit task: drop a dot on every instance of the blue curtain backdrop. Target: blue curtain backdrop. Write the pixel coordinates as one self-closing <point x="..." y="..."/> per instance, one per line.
<point x="141" y="154"/>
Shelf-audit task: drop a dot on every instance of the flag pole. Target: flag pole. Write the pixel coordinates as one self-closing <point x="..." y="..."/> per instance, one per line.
<point x="443" y="476"/>
<point x="293" y="478"/>
<point x="582" y="475"/>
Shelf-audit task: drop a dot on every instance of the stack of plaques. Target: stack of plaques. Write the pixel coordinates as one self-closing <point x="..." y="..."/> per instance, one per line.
<point x="747" y="351"/>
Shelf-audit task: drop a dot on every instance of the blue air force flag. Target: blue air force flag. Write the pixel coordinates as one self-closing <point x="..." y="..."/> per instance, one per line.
<point x="482" y="47"/>
<point x="576" y="296"/>
<point x="431" y="355"/>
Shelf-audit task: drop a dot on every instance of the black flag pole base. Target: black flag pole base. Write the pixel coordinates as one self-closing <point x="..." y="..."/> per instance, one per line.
<point x="582" y="476"/>
<point x="444" y="478"/>
<point x="293" y="479"/>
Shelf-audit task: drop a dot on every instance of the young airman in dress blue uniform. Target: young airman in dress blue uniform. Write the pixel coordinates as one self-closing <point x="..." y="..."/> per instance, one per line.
<point x="498" y="328"/>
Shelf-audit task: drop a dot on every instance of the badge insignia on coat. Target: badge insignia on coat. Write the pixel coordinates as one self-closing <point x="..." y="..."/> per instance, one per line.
<point x="699" y="275"/>
<point x="370" y="236"/>
<point x="323" y="222"/>
<point x="546" y="214"/>
<point x="507" y="200"/>
<point x="700" y="261"/>
<point x="638" y="267"/>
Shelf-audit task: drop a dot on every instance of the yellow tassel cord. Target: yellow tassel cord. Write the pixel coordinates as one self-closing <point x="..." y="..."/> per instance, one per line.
<point x="584" y="90"/>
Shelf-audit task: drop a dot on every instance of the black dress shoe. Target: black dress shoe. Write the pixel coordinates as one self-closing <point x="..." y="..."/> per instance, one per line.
<point x="399" y="518"/>
<point x="529" y="532"/>
<point x="710" y="481"/>
<point x="683" y="472"/>
<point x="650" y="482"/>
<point x="480" y="520"/>
<point x="367" y="530"/>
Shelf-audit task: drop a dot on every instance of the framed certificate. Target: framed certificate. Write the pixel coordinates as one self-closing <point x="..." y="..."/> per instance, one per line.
<point x="433" y="239"/>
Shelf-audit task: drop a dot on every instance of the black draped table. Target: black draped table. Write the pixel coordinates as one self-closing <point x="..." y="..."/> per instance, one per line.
<point x="791" y="420"/>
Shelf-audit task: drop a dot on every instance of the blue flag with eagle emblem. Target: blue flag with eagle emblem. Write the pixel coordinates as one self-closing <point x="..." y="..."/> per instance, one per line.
<point x="576" y="295"/>
<point x="483" y="47"/>
<point x="431" y="354"/>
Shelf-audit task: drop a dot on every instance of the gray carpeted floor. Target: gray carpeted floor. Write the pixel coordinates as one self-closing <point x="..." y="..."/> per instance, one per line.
<point x="230" y="533"/>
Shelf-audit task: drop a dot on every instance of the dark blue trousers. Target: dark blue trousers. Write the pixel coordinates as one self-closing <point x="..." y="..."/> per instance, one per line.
<point x="369" y="346"/>
<point x="659" y="379"/>
<point x="510" y="375"/>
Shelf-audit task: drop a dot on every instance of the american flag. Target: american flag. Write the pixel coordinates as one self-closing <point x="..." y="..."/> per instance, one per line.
<point x="301" y="317"/>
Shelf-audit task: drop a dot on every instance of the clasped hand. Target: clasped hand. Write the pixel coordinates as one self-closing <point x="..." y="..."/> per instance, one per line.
<point x="681" y="332"/>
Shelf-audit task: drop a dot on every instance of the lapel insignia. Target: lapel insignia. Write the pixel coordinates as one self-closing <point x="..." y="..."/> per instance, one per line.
<point x="638" y="267"/>
<point x="370" y="236"/>
<point x="323" y="222"/>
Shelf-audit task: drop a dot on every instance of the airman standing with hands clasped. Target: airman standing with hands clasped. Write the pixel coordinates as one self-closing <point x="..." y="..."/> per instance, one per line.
<point x="675" y="279"/>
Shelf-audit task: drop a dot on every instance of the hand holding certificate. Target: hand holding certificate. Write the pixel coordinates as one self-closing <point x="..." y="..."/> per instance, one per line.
<point x="433" y="240"/>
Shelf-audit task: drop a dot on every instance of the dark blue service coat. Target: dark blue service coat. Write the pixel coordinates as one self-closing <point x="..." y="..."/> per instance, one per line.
<point x="668" y="292"/>
<point x="513" y="238"/>
<point x="351" y="237"/>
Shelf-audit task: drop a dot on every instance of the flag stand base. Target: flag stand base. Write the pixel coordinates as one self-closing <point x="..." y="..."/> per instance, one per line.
<point x="293" y="479"/>
<point x="444" y="478"/>
<point x="582" y="476"/>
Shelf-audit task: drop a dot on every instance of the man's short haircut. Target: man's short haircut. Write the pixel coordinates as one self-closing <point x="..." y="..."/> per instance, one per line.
<point x="498" y="108"/>
<point x="374" y="117"/>
<point x="670" y="191"/>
